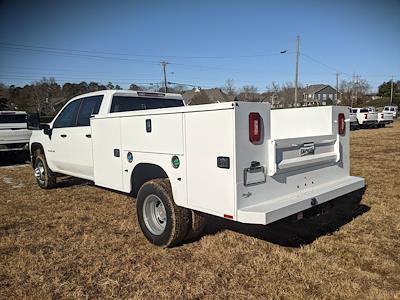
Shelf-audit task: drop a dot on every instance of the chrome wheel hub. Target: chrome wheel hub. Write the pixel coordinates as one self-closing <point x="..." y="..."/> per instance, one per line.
<point x="39" y="172"/>
<point x="154" y="214"/>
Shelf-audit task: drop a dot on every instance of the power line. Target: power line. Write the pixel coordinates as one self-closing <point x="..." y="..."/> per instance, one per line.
<point x="318" y="62"/>
<point x="32" y="47"/>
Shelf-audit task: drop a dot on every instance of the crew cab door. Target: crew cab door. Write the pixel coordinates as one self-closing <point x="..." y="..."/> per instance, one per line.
<point x="71" y="141"/>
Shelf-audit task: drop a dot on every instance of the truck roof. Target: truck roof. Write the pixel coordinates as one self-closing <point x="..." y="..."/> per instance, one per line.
<point x="165" y="96"/>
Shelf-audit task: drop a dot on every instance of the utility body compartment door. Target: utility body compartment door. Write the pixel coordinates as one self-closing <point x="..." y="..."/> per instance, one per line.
<point x="107" y="152"/>
<point x="210" y="161"/>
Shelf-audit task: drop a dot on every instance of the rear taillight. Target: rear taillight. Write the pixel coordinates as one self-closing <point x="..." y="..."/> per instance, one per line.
<point x="366" y="116"/>
<point x="254" y="127"/>
<point x="382" y="116"/>
<point x="341" y="124"/>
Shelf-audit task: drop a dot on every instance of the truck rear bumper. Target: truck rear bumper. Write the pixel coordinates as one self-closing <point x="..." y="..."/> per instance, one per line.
<point x="279" y="208"/>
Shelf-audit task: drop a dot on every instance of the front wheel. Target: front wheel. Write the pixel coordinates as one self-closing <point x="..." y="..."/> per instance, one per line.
<point x="44" y="177"/>
<point x="162" y="222"/>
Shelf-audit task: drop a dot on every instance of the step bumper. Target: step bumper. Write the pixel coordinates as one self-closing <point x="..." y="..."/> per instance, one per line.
<point x="282" y="207"/>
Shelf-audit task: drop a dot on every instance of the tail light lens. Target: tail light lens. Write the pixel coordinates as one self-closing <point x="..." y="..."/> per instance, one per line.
<point x="366" y="116"/>
<point x="382" y="116"/>
<point x="341" y="124"/>
<point x="254" y="127"/>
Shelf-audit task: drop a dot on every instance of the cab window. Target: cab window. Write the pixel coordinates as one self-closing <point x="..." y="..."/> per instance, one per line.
<point x="67" y="118"/>
<point x="129" y="103"/>
<point x="89" y="107"/>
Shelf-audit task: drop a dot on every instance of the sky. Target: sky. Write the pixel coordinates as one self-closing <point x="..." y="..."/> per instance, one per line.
<point x="204" y="42"/>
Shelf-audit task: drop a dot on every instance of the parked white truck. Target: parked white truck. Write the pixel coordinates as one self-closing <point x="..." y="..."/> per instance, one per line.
<point x="394" y="110"/>
<point x="239" y="161"/>
<point x="14" y="132"/>
<point x="353" y="120"/>
<point x="384" y="118"/>
<point x="365" y="118"/>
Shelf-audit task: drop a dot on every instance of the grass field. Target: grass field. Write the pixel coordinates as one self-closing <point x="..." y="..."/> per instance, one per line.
<point x="81" y="241"/>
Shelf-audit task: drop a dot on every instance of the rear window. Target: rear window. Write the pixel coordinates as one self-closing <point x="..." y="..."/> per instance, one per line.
<point x="386" y="108"/>
<point x="364" y="110"/>
<point x="12" y="119"/>
<point x="128" y="103"/>
<point x="392" y="109"/>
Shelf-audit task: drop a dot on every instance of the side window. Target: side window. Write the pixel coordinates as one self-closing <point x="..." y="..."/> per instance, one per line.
<point x="90" y="106"/>
<point x="67" y="117"/>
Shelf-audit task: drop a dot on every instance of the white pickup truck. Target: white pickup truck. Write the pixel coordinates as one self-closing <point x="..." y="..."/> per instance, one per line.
<point x="365" y="118"/>
<point x="14" y="132"/>
<point x="236" y="160"/>
<point x="353" y="120"/>
<point x="394" y="110"/>
<point x="384" y="118"/>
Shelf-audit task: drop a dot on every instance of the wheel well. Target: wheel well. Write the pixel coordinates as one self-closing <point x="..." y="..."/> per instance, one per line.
<point x="144" y="172"/>
<point x="34" y="148"/>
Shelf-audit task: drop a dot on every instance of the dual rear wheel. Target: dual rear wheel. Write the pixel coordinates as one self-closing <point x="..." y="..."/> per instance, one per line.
<point x="162" y="222"/>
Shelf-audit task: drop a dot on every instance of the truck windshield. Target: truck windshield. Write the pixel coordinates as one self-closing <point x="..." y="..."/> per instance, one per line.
<point x="12" y="119"/>
<point x="128" y="103"/>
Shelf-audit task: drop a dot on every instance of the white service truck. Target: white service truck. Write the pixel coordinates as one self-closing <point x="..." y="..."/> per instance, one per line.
<point x="14" y="131"/>
<point x="236" y="160"/>
<point x="365" y="118"/>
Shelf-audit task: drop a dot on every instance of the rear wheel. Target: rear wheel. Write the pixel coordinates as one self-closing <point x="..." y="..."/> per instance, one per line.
<point x="44" y="177"/>
<point x="197" y="225"/>
<point x="162" y="222"/>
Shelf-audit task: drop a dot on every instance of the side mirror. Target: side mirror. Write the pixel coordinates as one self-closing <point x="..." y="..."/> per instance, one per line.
<point x="46" y="129"/>
<point x="33" y="121"/>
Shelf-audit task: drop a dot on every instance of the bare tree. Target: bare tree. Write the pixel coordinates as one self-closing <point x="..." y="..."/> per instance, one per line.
<point x="229" y="87"/>
<point x="249" y="93"/>
<point x="353" y="92"/>
<point x="44" y="91"/>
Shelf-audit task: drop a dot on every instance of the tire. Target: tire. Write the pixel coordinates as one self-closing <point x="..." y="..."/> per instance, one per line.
<point x="44" y="176"/>
<point x="162" y="222"/>
<point x="197" y="225"/>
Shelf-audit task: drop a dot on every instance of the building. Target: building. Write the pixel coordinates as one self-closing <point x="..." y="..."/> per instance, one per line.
<point x="319" y="94"/>
<point x="206" y="96"/>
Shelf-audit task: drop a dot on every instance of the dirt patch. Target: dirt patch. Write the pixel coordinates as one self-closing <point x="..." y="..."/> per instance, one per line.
<point x="81" y="241"/>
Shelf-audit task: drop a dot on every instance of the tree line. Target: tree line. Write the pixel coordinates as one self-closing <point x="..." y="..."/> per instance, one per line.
<point x="46" y="96"/>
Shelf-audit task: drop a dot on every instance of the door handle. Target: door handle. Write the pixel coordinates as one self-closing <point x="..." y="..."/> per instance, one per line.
<point x="88" y="136"/>
<point x="63" y="135"/>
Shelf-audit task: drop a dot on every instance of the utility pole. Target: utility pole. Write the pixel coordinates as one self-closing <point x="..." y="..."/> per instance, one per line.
<point x="296" y="77"/>
<point x="164" y="64"/>
<point x="337" y="86"/>
<point x="357" y="89"/>
<point x="391" y="90"/>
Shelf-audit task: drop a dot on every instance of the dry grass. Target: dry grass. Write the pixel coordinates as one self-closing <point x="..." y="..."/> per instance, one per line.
<point x="80" y="241"/>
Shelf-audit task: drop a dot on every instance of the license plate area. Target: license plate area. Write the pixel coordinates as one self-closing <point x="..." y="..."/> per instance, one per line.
<point x="254" y="175"/>
<point x="307" y="149"/>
